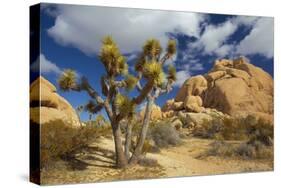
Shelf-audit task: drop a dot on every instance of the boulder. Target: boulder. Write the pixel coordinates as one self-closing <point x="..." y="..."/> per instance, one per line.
<point x="168" y="114"/>
<point x="177" y="124"/>
<point x="156" y="112"/>
<point x="46" y="105"/>
<point x="234" y="87"/>
<point x="168" y="105"/>
<point x="193" y="119"/>
<point x="197" y="118"/>
<point x="193" y="86"/>
<point x="248" y="89"/>
<point x="172" y="105"/>
<point x="193" y="104"/>
<point x="177" y="106"/>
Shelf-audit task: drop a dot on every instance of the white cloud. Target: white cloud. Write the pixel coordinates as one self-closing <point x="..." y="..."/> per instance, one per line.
<point x="45" y="65"/>
<point x="260" y="40"/>
<point x="224" y="50"/>
<point x="181" y="77"/>
<point x="214" y="36"/>
<point x="131" y="57"/>
<point x="194" y="67"/>
<point x="245" y="20"/>
<point x="84" y="26"/>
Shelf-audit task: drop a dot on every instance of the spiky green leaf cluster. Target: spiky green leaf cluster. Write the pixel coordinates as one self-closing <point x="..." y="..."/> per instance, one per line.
<point x="153" y="70"/>
<point x="112" y="59"/>
<point x="124" y="105"/>
<point x="93" y="107"/>
<point x="67" y="80"/>
<point x="171" y="47"/>
<point x="152" y="48"/>
<point x="171" y="76"/>
<point x="130" y="82"/>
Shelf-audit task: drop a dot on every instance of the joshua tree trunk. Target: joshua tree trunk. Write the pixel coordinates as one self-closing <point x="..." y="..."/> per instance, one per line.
<point x="128" y="140"/>
<point x="136" y="155"/>
<point x="121" y="160"/>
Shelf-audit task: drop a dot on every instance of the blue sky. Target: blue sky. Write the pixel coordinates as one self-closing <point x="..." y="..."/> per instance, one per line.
<point x="71" y="35"/>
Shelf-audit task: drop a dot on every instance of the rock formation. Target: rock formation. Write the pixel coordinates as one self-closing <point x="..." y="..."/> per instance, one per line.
<point x="234" y="87"/>
<point x="46" y="105"/>
<point x="241" y="89"/>
<point x="156" y="112"/>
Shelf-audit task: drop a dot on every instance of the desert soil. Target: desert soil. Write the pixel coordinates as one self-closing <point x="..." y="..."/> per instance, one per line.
<point x="95" y="163"/>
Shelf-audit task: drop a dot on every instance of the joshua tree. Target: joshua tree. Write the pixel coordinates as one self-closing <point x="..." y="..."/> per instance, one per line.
<point x="116" y="82"/>
<point x="150" y="65"/>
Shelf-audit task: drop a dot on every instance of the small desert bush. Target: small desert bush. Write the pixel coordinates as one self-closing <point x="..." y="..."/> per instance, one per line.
<point x="245" y="150"/>
<point x="255" y="150"/>
<point x="164" y="135"/>
<point x="148" y="162"/>
<point x="241" y="128"/>
<point x="220" y="148"/>
<point x="58" y="138"/>
<point x="208" y="128"/>
<point x="256" y="136"/>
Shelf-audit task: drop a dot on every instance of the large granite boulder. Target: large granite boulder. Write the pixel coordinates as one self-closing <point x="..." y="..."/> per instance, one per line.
<point x="46" y="105"/>
<point x="243" y="89"/>
<point x="234" y="87"/>
<point x="195" y="85"/>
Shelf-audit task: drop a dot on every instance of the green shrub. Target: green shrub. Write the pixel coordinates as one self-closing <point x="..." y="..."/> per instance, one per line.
<point x="221" y="148"/>
<point x="256" y="134"/>
<point x="245" y="150"/>
<point x="58" y="138"/>
<point x="164" y="135"/>
<point x="242" y="128"/>
<point x="148" y="162"/>
<point x="255" y="150"/>
<point x="208" y="129"/>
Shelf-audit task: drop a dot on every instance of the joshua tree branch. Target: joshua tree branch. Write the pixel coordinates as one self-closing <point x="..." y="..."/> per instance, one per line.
<point x="139" y="86"/>
<point x="144" y="92"/>
<point x="164" y="58"/>
<point x="90" y="90"/>
<point x="160" y="91"/>
<point x="119" y="84"/>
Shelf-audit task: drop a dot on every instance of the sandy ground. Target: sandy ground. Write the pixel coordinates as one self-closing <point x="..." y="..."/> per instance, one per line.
<point x="184" y="160"/>
<point x="95" y="163"/>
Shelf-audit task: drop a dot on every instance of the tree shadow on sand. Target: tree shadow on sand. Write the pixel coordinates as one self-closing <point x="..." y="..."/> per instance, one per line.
<point x="89" y="156"/>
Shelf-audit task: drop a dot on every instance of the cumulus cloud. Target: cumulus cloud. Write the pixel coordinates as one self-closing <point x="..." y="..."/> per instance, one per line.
<point x="214" y="36"/>
<point x="83" y="27"/>
<point x="45" y="65"/>
<point x="213" y="39"/>
<point x="224" y="50"/>
<point x="260" y="40"/>
<point x="181" y="77"/>
<point x="132" y="57"/>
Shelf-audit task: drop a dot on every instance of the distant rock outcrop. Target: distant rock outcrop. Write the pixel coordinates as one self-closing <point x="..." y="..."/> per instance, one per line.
<point x="156" y="112"/>
<point x="234" y="87"/>
<point x="47" y="105"/>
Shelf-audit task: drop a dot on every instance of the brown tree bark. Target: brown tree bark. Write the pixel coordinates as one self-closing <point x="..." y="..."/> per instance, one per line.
<point x="128" y="140"/>
<point x="121" y="160"/>
<point x="138" y="151"/>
